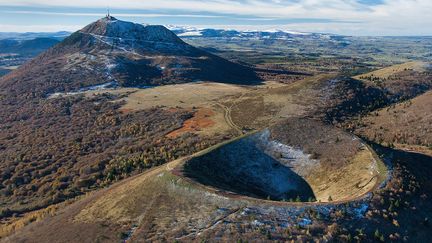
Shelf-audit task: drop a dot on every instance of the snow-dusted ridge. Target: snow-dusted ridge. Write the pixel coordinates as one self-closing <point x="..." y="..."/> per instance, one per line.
<point x="99" y="87"/>
<point x="189" y="31"/>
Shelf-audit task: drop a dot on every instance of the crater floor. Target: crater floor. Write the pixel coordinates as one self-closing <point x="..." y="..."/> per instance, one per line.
<point x="262" y="166"/>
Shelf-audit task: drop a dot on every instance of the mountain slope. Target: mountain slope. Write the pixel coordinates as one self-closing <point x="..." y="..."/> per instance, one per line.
<point x="407" y="123"/>
<point x="167" y="204"/>
<point x="403" y="81"/>
<point x="128" y="54"/>
<point x="44" y="139"/>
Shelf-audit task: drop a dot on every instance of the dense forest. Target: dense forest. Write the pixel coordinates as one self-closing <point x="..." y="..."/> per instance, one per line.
<point x="55" y="149"/>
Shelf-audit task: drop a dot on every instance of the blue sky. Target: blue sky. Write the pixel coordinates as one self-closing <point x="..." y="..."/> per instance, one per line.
<point x="350" y="17"/>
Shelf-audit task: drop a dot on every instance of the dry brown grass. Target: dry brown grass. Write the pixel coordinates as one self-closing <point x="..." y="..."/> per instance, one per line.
<point x="263" y="107"/>
<point x="179" y="95"/>
<point x="347" y="168"/>
<point x="358" y="177"/>
<point x="166" y="205"/>
<point x="404" y="123"/>
<point x="385" y="73"/>
<point x="14" y="224"/>
<point x="233" y="106"/>
<point x="202" y="119"/>
<point x="161" y="203"/>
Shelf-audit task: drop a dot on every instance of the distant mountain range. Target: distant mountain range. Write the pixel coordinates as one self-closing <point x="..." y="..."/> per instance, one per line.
<point x="33" y="35"/>
<point x="193" y="32"/>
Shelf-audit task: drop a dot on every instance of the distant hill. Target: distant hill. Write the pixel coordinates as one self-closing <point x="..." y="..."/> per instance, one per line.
<point x="403" y="81"/>
<point x="125" y="54"/>
<point x="27" y="47"/>
<point x="407" y="123"/>
<point x="33" y="35"/>
<point x="3" y="71"/>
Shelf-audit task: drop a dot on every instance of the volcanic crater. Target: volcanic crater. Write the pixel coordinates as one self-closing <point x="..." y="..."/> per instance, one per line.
<point x="300" y="160"/>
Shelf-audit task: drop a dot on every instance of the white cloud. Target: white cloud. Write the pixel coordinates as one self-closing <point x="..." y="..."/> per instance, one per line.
<point x="38" y="28"/>
<point x="101" y="14"/>
<point x="390" y="17"/>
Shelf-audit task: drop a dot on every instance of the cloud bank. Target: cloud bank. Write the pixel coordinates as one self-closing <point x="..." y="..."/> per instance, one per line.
<point x="354" y="17"/>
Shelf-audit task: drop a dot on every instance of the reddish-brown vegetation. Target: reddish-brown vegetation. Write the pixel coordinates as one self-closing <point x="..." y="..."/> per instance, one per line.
<point x="201" y="119"/>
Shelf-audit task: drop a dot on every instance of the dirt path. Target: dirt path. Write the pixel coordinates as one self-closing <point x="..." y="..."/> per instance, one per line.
<point x="211" y="226"/>
<point x="228" y="119"/>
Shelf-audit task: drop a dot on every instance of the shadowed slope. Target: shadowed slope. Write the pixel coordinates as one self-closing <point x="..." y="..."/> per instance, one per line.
<point x="245" y="167"/>
<point x="298" y="159"/>
<point x="124" y="53"/>
<point x="163" y="205"/>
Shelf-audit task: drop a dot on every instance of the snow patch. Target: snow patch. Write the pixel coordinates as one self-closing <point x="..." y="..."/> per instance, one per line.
<point x="257" y="223"/>
<point x="305" y="222"/>
<point x="109" y="85"/>
<point x="111" y="66"/>
<point x="190" y="34"/>
<point x="296" y="159"/>
<point x="361" y="210"/>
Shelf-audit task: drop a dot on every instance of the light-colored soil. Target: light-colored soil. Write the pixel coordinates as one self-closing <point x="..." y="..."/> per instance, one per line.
<point x="385" y="73"/>
<point x="203" y="96"/>
<point x="358" y="177"/>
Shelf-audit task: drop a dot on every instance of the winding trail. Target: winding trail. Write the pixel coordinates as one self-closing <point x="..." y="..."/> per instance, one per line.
<point x="211" y="226"/>
<point x="228" y="119"/>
